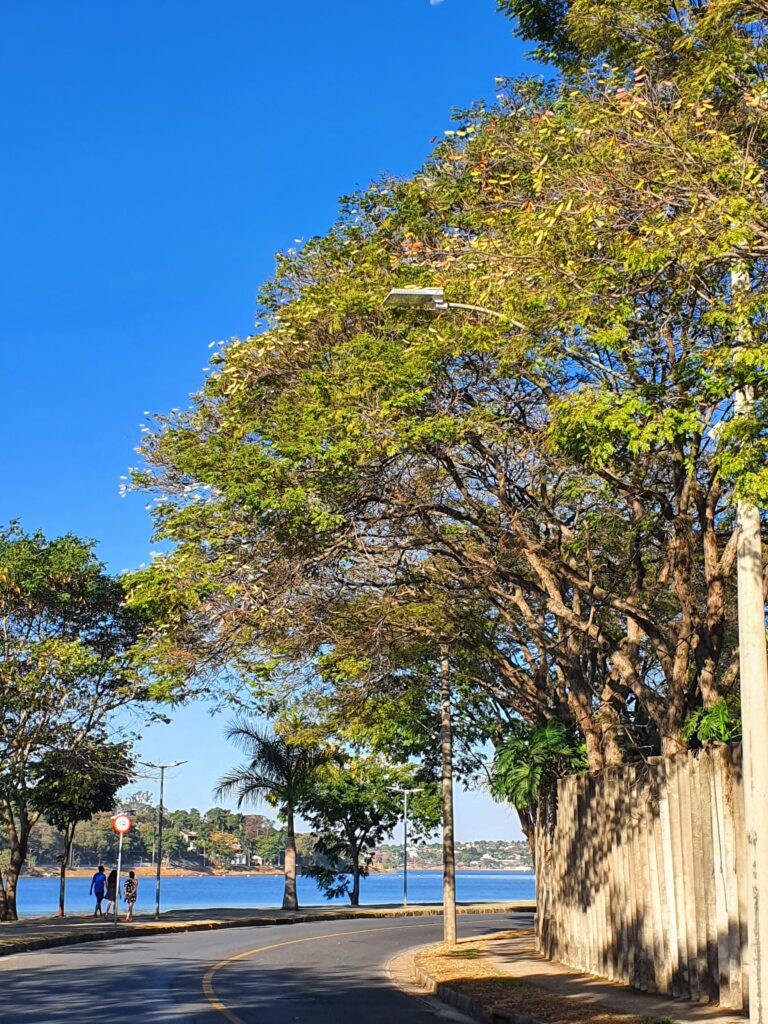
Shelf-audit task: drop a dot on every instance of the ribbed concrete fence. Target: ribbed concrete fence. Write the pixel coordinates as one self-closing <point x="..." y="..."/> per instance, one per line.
<point x="640" y="875"/>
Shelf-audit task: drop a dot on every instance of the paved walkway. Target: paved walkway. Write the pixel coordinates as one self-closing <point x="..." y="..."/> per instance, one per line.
<point x="45" y="932"/>
<point x="516" y="957"/>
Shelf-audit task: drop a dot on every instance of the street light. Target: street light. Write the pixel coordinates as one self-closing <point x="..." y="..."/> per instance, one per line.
<point x="162" y="769"/>
<point x="406" y="793"/>
<point x="433" y="299"/>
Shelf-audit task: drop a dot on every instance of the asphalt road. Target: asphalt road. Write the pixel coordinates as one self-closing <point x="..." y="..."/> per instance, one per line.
<point x="320" y="973"/>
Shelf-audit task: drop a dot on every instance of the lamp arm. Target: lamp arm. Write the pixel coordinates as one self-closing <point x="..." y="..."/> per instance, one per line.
<point x="486" y="312"/>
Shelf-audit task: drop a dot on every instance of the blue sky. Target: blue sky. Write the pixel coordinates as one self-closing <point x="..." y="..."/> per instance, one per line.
<point x="157" y="155"/>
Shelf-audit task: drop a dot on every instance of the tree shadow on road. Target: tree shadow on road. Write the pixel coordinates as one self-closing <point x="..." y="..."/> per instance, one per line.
<point x="314" y="982"/>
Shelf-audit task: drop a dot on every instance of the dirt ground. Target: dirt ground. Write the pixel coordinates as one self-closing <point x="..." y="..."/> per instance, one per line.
<point x="466" y="969"/>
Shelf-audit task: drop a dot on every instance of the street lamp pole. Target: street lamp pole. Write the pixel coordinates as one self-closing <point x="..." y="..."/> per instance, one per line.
<point x="405" y="848"/>
<point x="162" y="769"/>
<point x="433" y="299"/>
<point x="446" y="760"/>
<point x="406" y="793"/>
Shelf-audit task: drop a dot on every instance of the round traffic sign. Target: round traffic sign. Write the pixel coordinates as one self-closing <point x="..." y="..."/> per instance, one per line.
<point x="121" y="823"/>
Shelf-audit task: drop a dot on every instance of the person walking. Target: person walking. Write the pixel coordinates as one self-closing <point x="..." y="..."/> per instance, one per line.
<point x="130" y="893"/>
<point x="98" y="885"/>
<point x="111" y="892"/>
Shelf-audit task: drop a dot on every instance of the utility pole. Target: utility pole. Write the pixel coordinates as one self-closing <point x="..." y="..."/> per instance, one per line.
<point x="406" y="793"/>
<point x="446" y="752"/>
<point x="753" y="673"/>
<point x="162" y="769"/>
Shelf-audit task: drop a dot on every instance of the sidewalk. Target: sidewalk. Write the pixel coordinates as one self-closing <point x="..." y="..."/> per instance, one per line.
<point x="503" y="980"/>
<point x="45" y="932"/>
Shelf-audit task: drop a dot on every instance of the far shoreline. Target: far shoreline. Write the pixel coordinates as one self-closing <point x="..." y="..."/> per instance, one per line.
<point x="150" y="871"/>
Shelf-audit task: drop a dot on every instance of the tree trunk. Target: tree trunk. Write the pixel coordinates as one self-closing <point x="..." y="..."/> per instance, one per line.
<point x="579" y="704"/>
<point x="290" y="899"/>
<point x="18" y="841"/>
<point x="527" y="818"/>
<point x="4" y="913"/>
<point x="671" y="732"/>
<point x="11" y="884"/>
<point x="717" y="569"/>
<point x="11" y="887"/>
<point x="449" y="853"/>
<point x="610" y="723"/>
<point x="354" y="896"/>
<point x="69" y="835"/>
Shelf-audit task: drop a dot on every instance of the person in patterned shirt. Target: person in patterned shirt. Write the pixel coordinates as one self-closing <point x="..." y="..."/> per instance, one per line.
<point x="130" y="893"/>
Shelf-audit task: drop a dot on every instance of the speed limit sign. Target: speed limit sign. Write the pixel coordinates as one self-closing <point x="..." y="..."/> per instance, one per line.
<point x="121" y="823"/>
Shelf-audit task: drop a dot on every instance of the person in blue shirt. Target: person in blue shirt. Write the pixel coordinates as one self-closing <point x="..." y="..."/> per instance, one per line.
<point x="98" y="885"/>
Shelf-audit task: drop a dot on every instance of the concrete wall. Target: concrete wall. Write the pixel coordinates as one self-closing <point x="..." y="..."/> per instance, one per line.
<point x="640" y="875"/>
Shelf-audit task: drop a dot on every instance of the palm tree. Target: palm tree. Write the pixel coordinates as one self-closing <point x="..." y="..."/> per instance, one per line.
<point x="278" y="771"/>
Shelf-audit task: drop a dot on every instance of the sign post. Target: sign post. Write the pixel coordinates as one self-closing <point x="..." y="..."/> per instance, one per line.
<point x="121" y="824"/>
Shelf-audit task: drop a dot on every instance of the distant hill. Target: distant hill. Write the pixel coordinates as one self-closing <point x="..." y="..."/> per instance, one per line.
<point x="489" y="854"/>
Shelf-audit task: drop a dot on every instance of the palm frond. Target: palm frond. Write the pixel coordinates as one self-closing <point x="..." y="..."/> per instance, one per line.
<point x="275" y="768"/>
<point x="247" y="784"/>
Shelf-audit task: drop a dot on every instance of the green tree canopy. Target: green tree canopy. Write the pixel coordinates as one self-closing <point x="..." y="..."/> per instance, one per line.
<point x="529" y="760"/>
<point x="567" y="466"/>
<point x="66" y="645"/>
<point x="352" y="806"/>
<point x="71" y="786"/>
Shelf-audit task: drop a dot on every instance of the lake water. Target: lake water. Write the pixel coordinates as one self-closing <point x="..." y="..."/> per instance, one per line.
<point x="40" y="895"/>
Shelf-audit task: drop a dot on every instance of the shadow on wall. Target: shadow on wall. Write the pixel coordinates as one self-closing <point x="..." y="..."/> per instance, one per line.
<point x="640" y="875"/>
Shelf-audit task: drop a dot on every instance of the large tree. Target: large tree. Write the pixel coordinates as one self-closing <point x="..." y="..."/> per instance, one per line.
<point x="570" y="462"/>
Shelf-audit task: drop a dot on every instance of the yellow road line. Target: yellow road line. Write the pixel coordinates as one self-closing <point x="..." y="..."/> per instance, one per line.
<point x="210" y="993"/>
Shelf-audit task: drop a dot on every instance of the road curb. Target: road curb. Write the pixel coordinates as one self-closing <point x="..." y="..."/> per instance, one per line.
<point x="124" y="931"/>
<point x="446" y="994"/>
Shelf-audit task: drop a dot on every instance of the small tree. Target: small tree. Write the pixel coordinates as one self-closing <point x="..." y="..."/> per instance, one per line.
<point x="67" y="645"/>
<point x="73" y="786"/>
<point x="270" y="846"/>
<point x="279" y="772"/>
<point x="352" y="808"/>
